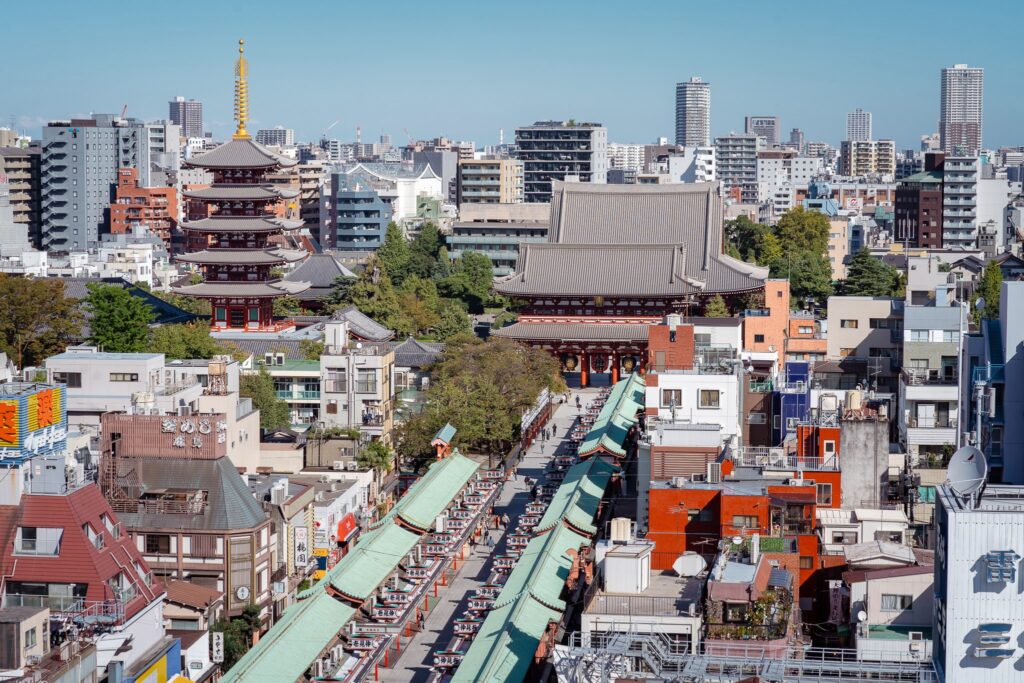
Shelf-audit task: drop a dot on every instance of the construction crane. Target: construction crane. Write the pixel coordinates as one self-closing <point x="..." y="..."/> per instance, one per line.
<point x="328" y="128"/>
<point x="124" y="111"/>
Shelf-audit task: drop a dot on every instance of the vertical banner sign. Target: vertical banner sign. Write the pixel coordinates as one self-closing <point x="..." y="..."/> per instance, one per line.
<point x="835" y="591"/>
<point x="301" y="547"/>
<point x="217" y="647"/>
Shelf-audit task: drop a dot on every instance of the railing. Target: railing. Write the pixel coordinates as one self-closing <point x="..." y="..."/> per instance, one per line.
<point x="55" y="603"/>
<point x="925" y="376"/>
<point x="760" y="387"/>
<point x="295" y="395"/>
<point x="773" y="459"/>
<point x="931" y="423"/>
<point x="635" y="605"/>
<point x="174" y="387"/>
<point x="991" y="372"/>
<point x="373" y="420"/>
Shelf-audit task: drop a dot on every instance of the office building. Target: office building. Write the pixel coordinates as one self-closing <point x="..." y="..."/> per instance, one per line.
<point x="188" y="115"/>
<point x="858" y="125"/>
<point x="766" y="127"/>
<point x="693" y="113"/>
<point x="736" y="157"/>
<point x="278" y="135"/>
<point x="796" y="140"/>
<point x="356" y="216"/>
<point x="490" y="181"/>
<point x="22" y="168"/>
<point x="867" y="157"/>
<point x="561" y="151"/>
<point x="497" y="230"/>
<point x="973" y="206"/>
<point x="960" y="113"/>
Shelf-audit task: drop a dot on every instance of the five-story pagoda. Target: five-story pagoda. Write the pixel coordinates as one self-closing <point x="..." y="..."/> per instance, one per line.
<point x="231" y="245"/>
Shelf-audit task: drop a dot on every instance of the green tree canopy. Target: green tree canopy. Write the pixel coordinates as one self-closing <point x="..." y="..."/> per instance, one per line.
<point x="453" y="320"/>
<point x="989" y="290"/>
<point x="119" y="322"/>
<point x="470" y="280"/>
<point x="376" y="455"/>
<point x="424" y="250"/>
<point x="716" y="308"/>
<point x="259" y="386"/>
<point x="869" y="276"/>
<point x="185" y="341"/>
<point x="238" y="633"/>
<point x="374" y="295"/>
<point x="809" y="273"/>
<point x="36" y="320"/>
<point x="393" y="255"/>
<point x="801" y="230"/>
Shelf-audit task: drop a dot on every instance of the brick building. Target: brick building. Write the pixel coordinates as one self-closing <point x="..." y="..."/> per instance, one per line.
<point x="154" y="207"/>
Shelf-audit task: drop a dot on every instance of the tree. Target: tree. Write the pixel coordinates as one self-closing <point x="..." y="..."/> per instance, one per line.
<point x="340" y="288"/>
<point x="868" y="276"/>
<point x="238" y="633"/>
<point x="376" y="455"/>
<point x="443" y="267"/>
<point x="716" y="308"/>
<point x="311" y="349"/>
<point x="36" y="320"/>
<point x="801" y="230"/>
<point x="393" y="255"/>
<point x="419" y="303"/>
<point x="809" y="273"/>
<point x="988" y="290"/>
<point x="286" y="306"/>
<point x="453" y="320"/>
<point x="259" y="386"/>
<point x="373" y="294"/>
<point x="470" y="280"/>
<point x="119" y="322"/>
<point x="424" y="250"/>
<point x="185" y="341"/>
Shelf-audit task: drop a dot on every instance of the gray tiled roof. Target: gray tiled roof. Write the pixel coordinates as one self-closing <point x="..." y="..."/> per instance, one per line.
<point x="239" y="154"/>
<point x="241" y="192"/>
<point x="229" y="504"/>
<point x="320" y="271"/>
<point x="240" y="224"/>
<point x="574" y="331"/>
<point x="416" y="354"/>
<point x="246" y="256"/>
<point x="166" y="313"/>
<point x="681" y="213"/>
<point x="363" y="326"/>
<point x="242" y="289"/>
<point x="292" y="349"/>
<point x="600" y="269"/>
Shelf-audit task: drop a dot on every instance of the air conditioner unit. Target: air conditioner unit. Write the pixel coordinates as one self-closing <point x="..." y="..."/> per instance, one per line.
<point x="714" y="474"/>
<point x="268" y="359"/>
<point x="338" y="466"/>
<point x="697" y="478"/>
<point x="797" y="481"/>
<point x="318" y="668"/>
<point x="678" y="482"/>
<point x="279" y="359"/>
<point x="352" y="466"/>
<point x="337" y="652"/>
<point x="916" y="635"/>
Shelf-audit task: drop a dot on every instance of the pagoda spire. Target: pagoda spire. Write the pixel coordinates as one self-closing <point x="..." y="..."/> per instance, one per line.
<point x="241" y="93"/>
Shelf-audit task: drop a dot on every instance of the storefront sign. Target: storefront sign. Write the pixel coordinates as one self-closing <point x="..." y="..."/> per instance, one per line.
<point x="301" y="541"/>
<point x="447" y="659"/>
<point x="386" y="613"/>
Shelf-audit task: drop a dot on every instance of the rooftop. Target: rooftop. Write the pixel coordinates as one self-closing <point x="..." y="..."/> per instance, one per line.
<point x="665" y="595"/>
<point x="993" y="498"/>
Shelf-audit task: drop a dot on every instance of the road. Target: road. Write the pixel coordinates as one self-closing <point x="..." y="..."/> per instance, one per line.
<point x="417" y="655"/>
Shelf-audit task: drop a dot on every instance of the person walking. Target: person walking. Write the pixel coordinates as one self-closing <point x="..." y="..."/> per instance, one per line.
<point x="490" y="542"/>
<point x="504" y="520"/>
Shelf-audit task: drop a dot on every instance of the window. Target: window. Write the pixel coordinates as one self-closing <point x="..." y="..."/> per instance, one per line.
<point x="30" y="638"/>
<point x="759" y="339"/>
<point x="73" y="380"/>
<point x="882" y="323"/>
<point x="918" y="335"/>
<point x="158" y="544"/>
<point x="185" y="624"/>
<point x="896" y="603"/>
<point x="710" y="398"/>
<point x="846" y="351"/>
<point x="950" y="336"/>
<point x="671" y="398"/>
<point x="31" y="540"/>
<point x="829" y="447"/>
<point x="792" y="422"/>
<point x="254" y="314"/>
<point x="744" y="521"/>
<point x="844" y="537"/>
<point x="756" y="418"/>
<point x="849" y="324"/>
<point x="806" y="562"/>
<point x="124" y="377"/>
<point x="889" y="536"/>
<point x="803" y="329"/>
<point x="777" y="422"/>
<point x="824" y="494"/>
<point x="702" y="339"/>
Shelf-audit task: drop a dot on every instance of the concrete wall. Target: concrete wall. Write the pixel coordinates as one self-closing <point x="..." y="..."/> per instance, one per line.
<point x="864" y="445"/>
<point x="1011" y="314"/>
<point x="861" y="338"/>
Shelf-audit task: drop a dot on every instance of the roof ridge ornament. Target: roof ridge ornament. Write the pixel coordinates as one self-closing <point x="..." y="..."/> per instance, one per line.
<point x="241" y="93"/>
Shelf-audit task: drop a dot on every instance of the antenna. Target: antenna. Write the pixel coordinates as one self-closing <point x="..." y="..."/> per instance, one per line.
<point x="967" y="471"/>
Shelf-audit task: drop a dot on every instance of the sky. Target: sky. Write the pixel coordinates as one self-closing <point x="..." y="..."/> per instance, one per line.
<point x="466" y="70"/>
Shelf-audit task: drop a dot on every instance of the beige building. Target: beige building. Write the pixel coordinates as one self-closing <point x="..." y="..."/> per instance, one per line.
<point x="26" y="636"/>
<point x="490" y="181"/>
<point x="357" y="384"/>
<point x="838" y="246"/>
<point x="864" y="326"/>
<point x="867" y="157"/>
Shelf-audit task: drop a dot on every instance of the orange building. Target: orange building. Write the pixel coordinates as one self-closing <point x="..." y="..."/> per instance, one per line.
<point x="154" y="207"/>
<point x="793" y="335"/>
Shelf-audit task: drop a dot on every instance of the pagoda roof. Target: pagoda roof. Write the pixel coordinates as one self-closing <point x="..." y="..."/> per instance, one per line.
<point x="242" y="193"/>
<point x="574" y="331"/>
<point x="242" y="153"/>
<point x="243" y="256"/>
<point x="686" y="214"/>
<point x="240" y="224"/>
<point x="242" y="289"/>
<point x="600" y="270"/>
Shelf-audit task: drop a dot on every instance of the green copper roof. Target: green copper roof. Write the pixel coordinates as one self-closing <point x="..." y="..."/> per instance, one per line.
<point x="926" y="177"/>
<point x="298" y="637"/>
<point x="446" y="433"/>
<point x="577" y="499"/>
<point x="432" y="493"/>
<point x="373" y="560"/>
<point x="616" y="418"/>
<point x="504" y="647"/>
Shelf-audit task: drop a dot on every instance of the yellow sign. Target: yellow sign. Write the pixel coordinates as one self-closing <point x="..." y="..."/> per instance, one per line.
<point x="44" y="409"/>
<point x="320" y="552"/>
<point x="9" y="427"/>
<point x="319" y="574"/>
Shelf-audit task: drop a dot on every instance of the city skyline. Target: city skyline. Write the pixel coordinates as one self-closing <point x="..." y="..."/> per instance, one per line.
<point x="630" y="92"/>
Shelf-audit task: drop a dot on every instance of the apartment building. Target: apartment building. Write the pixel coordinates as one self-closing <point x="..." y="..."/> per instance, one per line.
<point x="973" y="206"/>
<point x="736" y="158"/>
<point x="357" y="384"/>
<point x="560" y="150"/>
<point x="156" y="208"/>
<point x="865" y="327"/>
<point x="490" y="181"/>
<point x="279" y="136"/>
<point x="24" y="177"/>
<point x="497" y="230"/>
<point x="867" y="157"/>
<point x="766" y="127"/>
<point x="693" y="113"/>
<point x="187" y="115"/>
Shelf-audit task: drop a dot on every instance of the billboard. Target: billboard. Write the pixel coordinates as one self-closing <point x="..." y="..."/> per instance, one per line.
<point x="33" y="421"/>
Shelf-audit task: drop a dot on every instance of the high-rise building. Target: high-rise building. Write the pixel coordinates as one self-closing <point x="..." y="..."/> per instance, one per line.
<point x="918" y="208"/>
<point x="561" y="150"/>
<point x="766" y="127"/>
<point x="626" y="156"/>
<point x="858" y="125"/>
<point x="736" y="157"/>
<point x="693" y="113"/>
<point x="23" y="177"/>
<point x="796" y="140"/>
<point x="867" y="157"/>
<point x="961" y="110"/>
<point x="973" y="206"/>
<point x="188" y="114"/>
<point x="137" y="205"/>
<point x="279" y="135"/>
<point x="490" y="181"/>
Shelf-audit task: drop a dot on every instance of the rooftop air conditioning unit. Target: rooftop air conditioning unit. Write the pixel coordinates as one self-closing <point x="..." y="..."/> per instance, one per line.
<point x="338" y="466"/>
<point x="279" y="359"/>
<point x="714" y="474"/>
<point x="352" y="466"/>
<point x="318" y="668"/>
<point x="678" y="482"/>
<point x="268" y="359"/>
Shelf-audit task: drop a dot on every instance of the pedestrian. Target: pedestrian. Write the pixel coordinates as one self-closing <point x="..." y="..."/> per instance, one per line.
<point x="490" y="542"/>
<point x="419" y="619"/>
<point x="504" y="520"/>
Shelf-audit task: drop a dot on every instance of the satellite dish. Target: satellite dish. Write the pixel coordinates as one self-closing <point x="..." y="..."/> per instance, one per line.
<point x="689" y="564"/>
<point x="862" y="616"/>
<point x="737" y="540"/>
<point x="967" y="471"/>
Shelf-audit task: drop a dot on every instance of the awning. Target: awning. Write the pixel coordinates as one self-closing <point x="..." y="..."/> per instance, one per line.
<point x="347" y="528"/>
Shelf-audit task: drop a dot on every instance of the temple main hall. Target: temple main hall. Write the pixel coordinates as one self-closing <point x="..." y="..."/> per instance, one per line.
<point x="618" y="259"/>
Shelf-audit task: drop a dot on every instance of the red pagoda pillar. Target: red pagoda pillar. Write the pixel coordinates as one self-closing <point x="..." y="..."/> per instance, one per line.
<point x="615" y="367"/>
<point x="584" y="368"/>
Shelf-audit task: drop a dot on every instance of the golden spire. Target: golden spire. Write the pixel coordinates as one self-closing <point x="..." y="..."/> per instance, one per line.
<point x="241" y="93"/>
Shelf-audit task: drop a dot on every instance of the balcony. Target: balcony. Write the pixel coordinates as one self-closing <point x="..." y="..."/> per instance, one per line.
<point x="989" y="374"/>
<point x="777" y="459"/>
<point x="288" y="395"/>
<point x="759" y="386"/>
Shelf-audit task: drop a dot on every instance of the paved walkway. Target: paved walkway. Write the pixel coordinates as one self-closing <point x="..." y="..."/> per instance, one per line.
<point x="417" y="656"/>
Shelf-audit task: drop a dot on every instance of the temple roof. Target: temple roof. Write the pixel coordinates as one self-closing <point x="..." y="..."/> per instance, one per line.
<point x="321" y="271"/>
<point x="240" y="153"/>
<point x="648" y="217"/>
<point x="600" y="270"/>
<point x="240" y="224"/>
<point x="571" y="331"/>
<point x="243" y="256"/>
<point x="242" y="193"/>
<point x="242" y="289"/>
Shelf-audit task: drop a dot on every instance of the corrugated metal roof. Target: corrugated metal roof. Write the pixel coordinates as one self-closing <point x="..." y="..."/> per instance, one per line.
<point x="616" y="418"/>
<point x="600" y="270"/>
<point x="286" y="651"/>
<point x="573" y="331"/>
<point x="244" y="153"/>
<point x="435" y="489"/>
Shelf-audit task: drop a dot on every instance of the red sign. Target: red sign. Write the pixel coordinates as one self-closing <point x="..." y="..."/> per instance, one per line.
<point x="347" y="527"/>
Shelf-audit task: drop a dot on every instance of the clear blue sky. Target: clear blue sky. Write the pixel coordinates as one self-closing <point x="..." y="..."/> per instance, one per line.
<point x="466" y="69"/>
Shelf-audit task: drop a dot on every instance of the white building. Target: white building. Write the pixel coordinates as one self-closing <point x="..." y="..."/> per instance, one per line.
<point x="897" y="606"/>
<point x="858" y="125"/>
<point x="693" y="113"/>
<point x="399" y="183"/>
<point x="694" y="165"/>
<point x="626" y="156"/>
<point x="978" y="625"/>
<point x="973" y="206"/>
<point x="961" y="109"/>
<point x="278" y="135"/>
<point x="737" y="163"/>
<point x="838" y="528"/>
